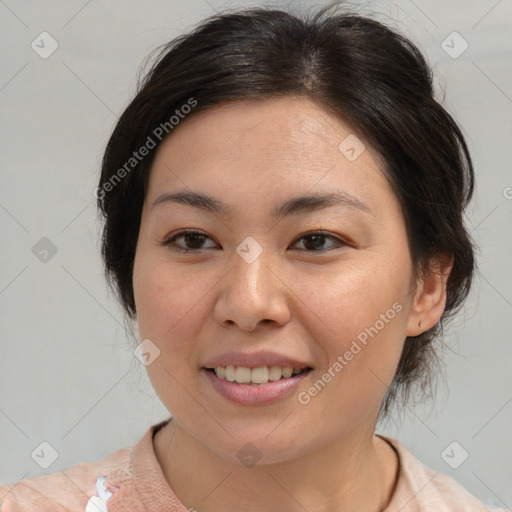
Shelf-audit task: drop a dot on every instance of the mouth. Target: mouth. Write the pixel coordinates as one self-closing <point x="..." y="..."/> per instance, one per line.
<point x="258" y="386"/>
<point x="258" y="376"/>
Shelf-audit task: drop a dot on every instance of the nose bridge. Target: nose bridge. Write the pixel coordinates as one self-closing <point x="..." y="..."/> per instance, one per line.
<point x="252" y="292"/>
<point x="251" y="275"/>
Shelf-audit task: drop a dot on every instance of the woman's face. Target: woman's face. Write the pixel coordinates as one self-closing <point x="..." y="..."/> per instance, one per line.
<point x="257" y="289"/>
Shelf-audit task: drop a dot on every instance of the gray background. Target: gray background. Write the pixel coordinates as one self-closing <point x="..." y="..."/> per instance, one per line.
<point x="67" y="371"/>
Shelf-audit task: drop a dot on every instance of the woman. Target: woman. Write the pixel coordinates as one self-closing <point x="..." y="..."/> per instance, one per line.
<point x="253" y="139"/>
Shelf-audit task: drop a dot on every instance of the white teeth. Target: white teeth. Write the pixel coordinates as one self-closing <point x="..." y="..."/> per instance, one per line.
<point x="230" y="373"/>
<point x="287" y="372"/>
<point x="260" y="375"/>
<point x="243" y="374"/>
<point x="275" y="373"/>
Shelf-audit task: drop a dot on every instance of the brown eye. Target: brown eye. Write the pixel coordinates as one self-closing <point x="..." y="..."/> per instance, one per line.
<point x="314" y="241"/>
<point x="190" y="241"/>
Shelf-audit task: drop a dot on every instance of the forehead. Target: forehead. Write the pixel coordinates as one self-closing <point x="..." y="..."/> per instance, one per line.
<point x="254" y="150"/>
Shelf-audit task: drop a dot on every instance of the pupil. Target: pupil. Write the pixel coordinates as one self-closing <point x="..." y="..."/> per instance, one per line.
<point x="317" y="238"/>
<point x="198" y="240"/>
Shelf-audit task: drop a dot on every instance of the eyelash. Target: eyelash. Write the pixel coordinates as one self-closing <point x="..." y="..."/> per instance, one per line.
<point x="168" y="242"/>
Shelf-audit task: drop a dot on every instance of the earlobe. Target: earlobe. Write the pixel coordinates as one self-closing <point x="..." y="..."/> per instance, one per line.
<point x="430" y="297"/>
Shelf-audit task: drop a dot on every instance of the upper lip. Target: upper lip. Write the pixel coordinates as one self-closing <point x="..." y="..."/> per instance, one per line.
<point x="254" y="360"/>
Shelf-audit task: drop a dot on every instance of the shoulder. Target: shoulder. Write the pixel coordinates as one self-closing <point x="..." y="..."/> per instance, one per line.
<point x="81" y="487"/>
<point x="420" y="488"/>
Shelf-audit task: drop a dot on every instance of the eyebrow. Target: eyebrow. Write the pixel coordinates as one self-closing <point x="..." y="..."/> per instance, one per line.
<point x="294" y="206"/>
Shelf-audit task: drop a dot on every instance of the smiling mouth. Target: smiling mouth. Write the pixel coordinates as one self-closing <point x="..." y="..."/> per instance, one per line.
<point x="259" y="375"/>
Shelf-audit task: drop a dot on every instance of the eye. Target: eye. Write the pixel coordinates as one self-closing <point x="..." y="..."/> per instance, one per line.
<point x="193" y="241"/>
<point x="316" y="239"/>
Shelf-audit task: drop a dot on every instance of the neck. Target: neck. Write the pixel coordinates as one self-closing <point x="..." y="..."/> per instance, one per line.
<point x="356" y="473"/>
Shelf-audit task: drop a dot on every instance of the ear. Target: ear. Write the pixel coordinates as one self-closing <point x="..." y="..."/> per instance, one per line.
<point x="430" y="296"/>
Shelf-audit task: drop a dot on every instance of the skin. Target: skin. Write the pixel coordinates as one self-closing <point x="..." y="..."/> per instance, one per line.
<point x="297" y="299"/>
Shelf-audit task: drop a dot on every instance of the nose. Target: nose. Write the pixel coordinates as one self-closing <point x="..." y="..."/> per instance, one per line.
<point x="253" y="294"/>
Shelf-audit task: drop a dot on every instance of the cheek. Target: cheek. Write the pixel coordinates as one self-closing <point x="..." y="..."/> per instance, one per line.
<point x="359" y="321"/>
<point x="356" y="294"/>
<point x="169" y="303"/>
<point x="164" y="296"/>
<point x="174" y="302"/>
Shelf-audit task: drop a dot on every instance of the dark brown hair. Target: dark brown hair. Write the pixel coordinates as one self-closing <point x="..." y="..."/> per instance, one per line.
<point x="354" y="67"/>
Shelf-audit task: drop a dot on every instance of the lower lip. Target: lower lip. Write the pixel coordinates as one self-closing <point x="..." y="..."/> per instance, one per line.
<point x="255" y="394"/>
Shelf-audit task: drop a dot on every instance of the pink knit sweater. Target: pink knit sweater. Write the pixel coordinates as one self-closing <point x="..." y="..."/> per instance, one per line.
<point x="131" y="480"/>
